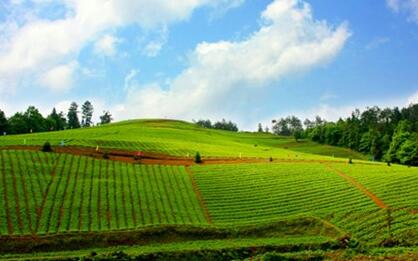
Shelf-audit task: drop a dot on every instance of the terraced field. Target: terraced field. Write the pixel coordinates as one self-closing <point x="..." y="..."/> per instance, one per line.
<point x="43" y="193"/>
<point x="245" y="194"/>
<point x="296" y="201"/>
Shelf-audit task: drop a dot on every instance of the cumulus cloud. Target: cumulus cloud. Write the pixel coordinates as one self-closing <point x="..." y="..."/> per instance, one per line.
<point x="289" y="40"/>
<point x="39" y="44"/>
<point x="409" y="7"/>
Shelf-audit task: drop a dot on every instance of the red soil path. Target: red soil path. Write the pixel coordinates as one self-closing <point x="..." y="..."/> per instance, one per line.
<point x="199" y="196"/>
<point x="360" y="187"/>
<point x="157" y="158"/>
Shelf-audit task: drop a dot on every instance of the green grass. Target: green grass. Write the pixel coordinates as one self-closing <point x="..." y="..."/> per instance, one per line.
<point x="44" y="193"/>
<point x="182" y="139"/>
<point x="396" y="186"/>
<point x="79" y="201"/>
<point x="252" y="193"/>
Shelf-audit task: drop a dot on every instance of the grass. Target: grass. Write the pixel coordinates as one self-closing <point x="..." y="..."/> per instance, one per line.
<point x="307" y="198"/>
<point x="252" y="193"/>
<point x="182" y="139"/>
<point x="173" y="251"/>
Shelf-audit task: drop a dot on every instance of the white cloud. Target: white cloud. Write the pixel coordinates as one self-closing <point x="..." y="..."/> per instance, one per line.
<point x="413" y="99"/>
<point x="106" y="45"/>
<point x="289" y="40"/>
<point x="376" y="42"/>
<point x="409" y="7"/>
<point x="37" y="45"/>
<point x="59" y="78"/>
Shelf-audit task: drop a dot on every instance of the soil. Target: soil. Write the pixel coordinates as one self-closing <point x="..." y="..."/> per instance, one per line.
<point x="360" y="187"/>
<point x="158" y="158"/>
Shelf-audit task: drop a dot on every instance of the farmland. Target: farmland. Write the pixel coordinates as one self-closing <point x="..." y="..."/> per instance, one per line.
<point x="181" y="139"/>
<point x="280" y="196"/>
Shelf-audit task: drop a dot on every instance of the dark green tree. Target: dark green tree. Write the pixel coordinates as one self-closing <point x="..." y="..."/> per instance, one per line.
<point x="87" y="114"/>
<point x="72" y="115"/>
<point x="17" y="124"/>
<point x="106" y="118"/>
<point x="3" y="123"/>
<point x="35" y="122"/>
<point x="56" y="121"/>
<point x="260" y="128"/>
<point x="400" y="136"/>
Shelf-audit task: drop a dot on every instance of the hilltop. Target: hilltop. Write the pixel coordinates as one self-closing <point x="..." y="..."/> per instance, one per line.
<point x="179" y="138"/>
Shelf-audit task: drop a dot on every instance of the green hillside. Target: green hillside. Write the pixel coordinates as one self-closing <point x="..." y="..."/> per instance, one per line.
<point x="181" y="139"/>
<point x="300" y="204"/>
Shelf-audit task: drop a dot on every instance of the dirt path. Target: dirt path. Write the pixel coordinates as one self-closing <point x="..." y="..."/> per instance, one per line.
<point x="160" y="159"/>
<point x="360" y="187"/>
<point x="199" y="196"/>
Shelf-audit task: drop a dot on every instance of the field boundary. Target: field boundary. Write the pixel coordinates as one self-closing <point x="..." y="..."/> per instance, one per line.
<point x="159" y="234"/>
<point x="150" y="158"/>
<point x="360" y="187"/>
<point x="199" y="196"/>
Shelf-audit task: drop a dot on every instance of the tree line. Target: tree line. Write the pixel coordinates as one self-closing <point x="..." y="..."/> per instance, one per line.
<point x="387" y="134"/>
<point x="219" y="125"/>
<point x="32" y="120"/>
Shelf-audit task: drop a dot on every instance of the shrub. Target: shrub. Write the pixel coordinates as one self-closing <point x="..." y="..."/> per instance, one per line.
<point x="197" y="158"/>
<point x="271" y="159"/>
<point x="106" y="155"/>
<point x="350" y="161"/>
<point x="47" y="147"/>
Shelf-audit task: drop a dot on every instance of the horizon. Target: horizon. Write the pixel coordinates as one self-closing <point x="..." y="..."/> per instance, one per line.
<point x="235" y="59"/>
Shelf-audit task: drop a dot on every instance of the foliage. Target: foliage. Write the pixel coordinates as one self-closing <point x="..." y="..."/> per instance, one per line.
<point x="106" y="118"/>
<point x="289" y="126"/>
<point x="197" y="158"/>
<point x="56" y="121"/>
<point x="73" y="121"/>
<point x="219" y="125"/>
<point x="47" y="147"/>
<point x="3" y="123"/>
<point x="87" y="114"/>
<point x="388" y="134"/>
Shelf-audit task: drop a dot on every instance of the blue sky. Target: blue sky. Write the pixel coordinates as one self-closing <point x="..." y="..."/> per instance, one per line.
<point x="249" y="61"/>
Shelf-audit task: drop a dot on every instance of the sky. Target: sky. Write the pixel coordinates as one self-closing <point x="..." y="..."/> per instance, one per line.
<point x="246" y="61"/>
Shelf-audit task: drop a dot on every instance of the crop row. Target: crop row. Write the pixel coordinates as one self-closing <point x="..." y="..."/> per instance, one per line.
<point x="44" y="193"/>
<point x="251" y="193"/>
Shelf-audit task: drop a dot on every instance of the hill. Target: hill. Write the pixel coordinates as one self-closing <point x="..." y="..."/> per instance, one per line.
<point x="75" y="202"/>
<point x="180" y="138"/>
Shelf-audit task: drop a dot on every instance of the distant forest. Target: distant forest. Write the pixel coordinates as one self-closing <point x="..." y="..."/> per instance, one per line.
<point x="389" y="135"/>
<point x="32" y="120"/>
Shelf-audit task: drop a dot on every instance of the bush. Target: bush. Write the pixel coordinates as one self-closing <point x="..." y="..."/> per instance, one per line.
<point x="271" y="159"/>
<point x="106" y="155"/>
<point x="197" y="158"/>
<point x="350" y="161"/>
<point x="47" y="147"/>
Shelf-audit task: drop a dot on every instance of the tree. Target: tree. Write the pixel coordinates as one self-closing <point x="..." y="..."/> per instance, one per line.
<point x="17" y="124"/>
<point x="225" y="125"/>
<point x="400" y="136"/>
<point x="87" y="114"/>
<point x="260" y="128"/>
<point x="408" y="152"/>
<point x="3" y="123"/>
<point x="289" y="126"/>
<point x="204" y="124"/>
<point x="72" y="115"/>
<point x="56" y="121"/>
<point x="35" y="122"/>
<point x="106" y="118"/>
